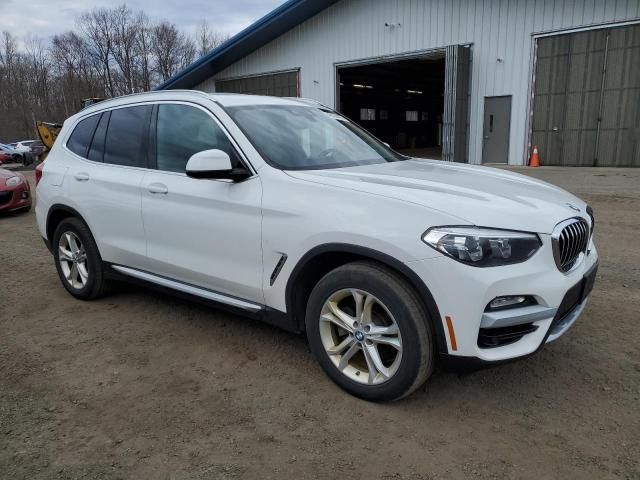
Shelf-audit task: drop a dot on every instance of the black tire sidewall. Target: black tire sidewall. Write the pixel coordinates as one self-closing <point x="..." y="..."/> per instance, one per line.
<point x="408" y="315"/>
<point x="94" y="262"/>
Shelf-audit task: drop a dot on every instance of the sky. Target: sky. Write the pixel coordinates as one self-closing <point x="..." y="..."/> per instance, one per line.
<point x="42" y="18"/>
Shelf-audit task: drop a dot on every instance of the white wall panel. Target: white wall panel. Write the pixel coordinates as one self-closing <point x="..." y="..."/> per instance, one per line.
<point x="355" y="29"/>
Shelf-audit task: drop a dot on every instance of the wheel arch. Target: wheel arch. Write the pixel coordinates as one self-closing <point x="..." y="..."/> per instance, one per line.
<point x="56" y="214"/>
<point x="323" y="258"/>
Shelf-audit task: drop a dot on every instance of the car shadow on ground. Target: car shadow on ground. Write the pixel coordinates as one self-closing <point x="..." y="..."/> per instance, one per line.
<point x="507" y="382"/>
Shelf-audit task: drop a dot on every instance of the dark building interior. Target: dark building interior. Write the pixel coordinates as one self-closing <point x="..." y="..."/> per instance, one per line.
<point x="400" y="102"/>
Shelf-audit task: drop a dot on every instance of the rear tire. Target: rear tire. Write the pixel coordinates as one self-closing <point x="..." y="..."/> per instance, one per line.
<point x="363" y="317"/>
<point x="78" y="260"/>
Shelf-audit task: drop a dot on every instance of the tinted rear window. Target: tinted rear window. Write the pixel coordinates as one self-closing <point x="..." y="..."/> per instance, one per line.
<point x="127" y="136"/>
<point x="81" y="136"/>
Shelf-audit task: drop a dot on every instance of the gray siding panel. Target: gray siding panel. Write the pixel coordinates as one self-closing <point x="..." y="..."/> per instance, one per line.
<point x="355" y="29"/>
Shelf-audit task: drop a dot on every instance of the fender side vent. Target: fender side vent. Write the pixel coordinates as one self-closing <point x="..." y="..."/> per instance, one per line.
<point x="276" y="271"/>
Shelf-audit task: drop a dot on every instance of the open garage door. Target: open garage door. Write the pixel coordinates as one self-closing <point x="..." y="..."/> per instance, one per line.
<point x="401" y="102"/>
<point x="456" y="103"/>
<point x="281" y="84"/>
<point x="586" y="106"/>
<point x="418" y="105"/>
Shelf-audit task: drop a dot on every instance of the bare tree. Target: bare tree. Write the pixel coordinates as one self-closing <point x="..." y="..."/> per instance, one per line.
<point x="171" y="50"/>
<point x="207" y="39"/>
<point x="144" y="54"/>
<point x="113" y="52"/>
<point x="98" y="28"/>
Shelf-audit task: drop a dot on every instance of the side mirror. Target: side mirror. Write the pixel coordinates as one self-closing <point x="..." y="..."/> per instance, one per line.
<point x="214" y="164"/>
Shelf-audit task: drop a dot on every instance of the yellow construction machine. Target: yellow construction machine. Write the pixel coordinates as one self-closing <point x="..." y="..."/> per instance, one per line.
<point x="48" y="132"/>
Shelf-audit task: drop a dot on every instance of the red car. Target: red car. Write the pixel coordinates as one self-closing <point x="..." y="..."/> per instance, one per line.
<point x="5" y="158"/>
<point x="15" y="192"/>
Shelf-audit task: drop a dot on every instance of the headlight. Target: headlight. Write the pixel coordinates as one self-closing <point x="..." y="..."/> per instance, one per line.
<point x="13" y="181"/>
<point x="483" y="247"/>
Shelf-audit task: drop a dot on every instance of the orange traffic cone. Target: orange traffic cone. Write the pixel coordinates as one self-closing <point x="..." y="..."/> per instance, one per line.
<point x="535" y="161"/>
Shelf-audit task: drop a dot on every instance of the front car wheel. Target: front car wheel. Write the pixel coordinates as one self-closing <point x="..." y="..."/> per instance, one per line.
<point x="370" y="332"/>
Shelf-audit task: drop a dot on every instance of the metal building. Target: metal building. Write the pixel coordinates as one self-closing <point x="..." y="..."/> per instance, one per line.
<point x="478" y="81"/>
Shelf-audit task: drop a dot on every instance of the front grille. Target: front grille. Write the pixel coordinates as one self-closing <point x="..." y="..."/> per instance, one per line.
<point x="5" y="197"/>
<point x="570" y="241"/>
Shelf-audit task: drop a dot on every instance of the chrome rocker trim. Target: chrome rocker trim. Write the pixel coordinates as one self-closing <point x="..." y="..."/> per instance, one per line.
<point x="189" y="289"/>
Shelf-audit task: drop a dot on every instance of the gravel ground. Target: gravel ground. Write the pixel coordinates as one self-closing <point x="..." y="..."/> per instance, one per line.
<point x="140" y="385"/>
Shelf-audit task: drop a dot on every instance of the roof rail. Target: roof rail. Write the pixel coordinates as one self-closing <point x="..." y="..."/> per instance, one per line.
<point x="309" y="101"/>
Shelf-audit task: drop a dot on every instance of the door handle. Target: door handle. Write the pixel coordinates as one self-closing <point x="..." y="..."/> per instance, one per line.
<point x="81" y="176"/>
<point x="158" y="189"/>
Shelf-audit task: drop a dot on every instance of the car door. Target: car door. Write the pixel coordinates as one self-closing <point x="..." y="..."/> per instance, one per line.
<point x="104" y="180"/>
<point x="200" y="232"/>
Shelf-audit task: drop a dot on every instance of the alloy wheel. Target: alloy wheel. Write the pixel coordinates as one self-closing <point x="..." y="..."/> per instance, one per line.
<point x="73" y="260"/>
<point x="360" y="336"/>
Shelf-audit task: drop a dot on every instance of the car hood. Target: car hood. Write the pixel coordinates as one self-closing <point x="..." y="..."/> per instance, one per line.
<point x="475" y="195"/>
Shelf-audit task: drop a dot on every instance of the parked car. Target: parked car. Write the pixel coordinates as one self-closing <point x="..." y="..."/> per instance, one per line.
<point x="16" y="156"/>
<point x="286" y="211"/>
<point x="37" y="148"/>
<point x="22" y="146"/>
<point x="5" y="158"/>
<point x="15" y="192"/>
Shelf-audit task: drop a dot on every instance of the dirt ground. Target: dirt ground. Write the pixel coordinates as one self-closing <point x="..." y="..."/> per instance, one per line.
<point x="144" y="386"/>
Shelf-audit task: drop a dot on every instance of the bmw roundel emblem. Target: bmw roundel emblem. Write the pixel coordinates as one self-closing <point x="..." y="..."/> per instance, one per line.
<point x="359" y="336"/>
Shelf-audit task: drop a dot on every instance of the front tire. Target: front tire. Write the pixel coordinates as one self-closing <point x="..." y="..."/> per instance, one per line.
<point x="370" y="332"/>
<point x="78" y="260"/>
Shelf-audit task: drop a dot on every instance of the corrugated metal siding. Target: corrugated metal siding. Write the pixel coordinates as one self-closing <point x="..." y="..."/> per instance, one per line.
<point x="283" y="84"/>
<point x="355" y="29"/>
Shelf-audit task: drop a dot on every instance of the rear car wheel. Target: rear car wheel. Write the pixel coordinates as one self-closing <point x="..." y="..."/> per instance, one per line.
<point x="370" y="332"/>
<point x="77" y="260"/>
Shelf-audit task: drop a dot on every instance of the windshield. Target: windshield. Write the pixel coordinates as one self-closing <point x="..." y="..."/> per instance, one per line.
<point x="292" y="137"/>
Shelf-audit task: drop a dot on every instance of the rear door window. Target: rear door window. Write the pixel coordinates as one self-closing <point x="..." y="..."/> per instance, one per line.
<point x="96" y="151"/>
<point x="81" y="136"/>
<point x="126" y="136"/>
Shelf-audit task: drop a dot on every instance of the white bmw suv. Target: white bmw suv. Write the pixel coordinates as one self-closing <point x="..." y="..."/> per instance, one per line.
<point x="284" y="210"/>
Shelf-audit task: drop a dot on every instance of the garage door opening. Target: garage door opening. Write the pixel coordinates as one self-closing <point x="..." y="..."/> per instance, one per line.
<point x="401" y="102"/>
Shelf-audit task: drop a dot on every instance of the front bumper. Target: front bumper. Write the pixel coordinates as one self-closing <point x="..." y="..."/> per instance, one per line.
<point x="15" y="198"/>
<point x="462" y="293"/>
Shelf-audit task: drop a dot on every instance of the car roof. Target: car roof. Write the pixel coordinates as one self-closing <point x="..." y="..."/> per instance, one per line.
<point x="224" y="99"/>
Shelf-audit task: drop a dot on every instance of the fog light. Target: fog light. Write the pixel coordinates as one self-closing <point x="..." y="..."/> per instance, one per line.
<point x="24" y="195"/>
<point x="506" y="302"/>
